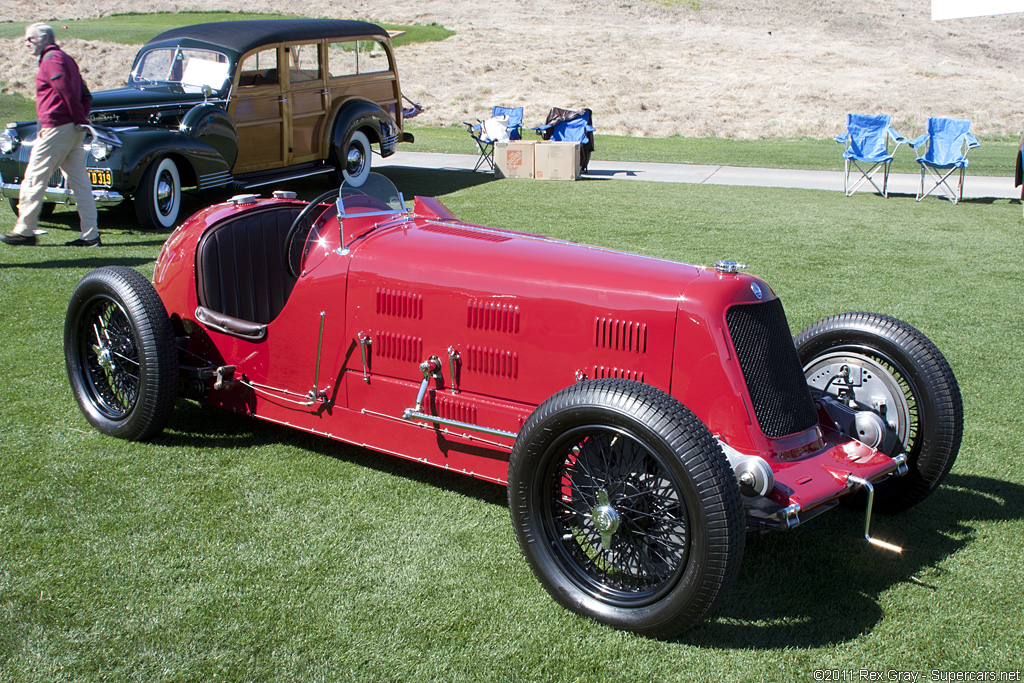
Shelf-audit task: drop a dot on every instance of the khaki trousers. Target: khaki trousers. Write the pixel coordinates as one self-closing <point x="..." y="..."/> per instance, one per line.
<point x="54" y="148"/>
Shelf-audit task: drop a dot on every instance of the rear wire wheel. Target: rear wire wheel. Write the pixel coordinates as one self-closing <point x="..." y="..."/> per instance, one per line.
<point x="626" y="507"/>
<point x="120" y="353"/>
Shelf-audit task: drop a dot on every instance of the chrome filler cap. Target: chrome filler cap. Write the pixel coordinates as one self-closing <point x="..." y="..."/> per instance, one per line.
<point x="729" y="267"/>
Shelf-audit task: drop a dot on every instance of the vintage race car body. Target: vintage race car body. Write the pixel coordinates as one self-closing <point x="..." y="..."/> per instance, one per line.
<point x="474" y="349"/>
<point x="498" y="302"/>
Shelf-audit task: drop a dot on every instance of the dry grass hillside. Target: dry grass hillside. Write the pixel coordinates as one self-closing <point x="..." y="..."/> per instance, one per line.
<point x="727" y="68"/>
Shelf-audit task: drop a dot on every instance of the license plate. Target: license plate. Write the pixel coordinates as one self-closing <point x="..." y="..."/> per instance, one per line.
<point x="100" y="176"/>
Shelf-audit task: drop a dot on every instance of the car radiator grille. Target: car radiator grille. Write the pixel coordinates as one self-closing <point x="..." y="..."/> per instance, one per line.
<point x="771" y="369"/>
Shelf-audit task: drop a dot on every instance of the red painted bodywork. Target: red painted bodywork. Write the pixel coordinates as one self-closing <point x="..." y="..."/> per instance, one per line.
<point x="527" y="316"/>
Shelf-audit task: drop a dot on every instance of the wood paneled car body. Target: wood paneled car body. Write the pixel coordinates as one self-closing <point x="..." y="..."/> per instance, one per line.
<point x="234" y="104"/>
<point x="643" y="413"/>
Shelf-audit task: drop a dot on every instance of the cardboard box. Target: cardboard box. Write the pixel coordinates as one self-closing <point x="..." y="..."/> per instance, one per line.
<point x="556" y="161"/>
<point x="514" y="159"/>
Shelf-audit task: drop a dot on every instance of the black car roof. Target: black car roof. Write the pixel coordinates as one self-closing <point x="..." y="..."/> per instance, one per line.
<point x="242" y="36"/>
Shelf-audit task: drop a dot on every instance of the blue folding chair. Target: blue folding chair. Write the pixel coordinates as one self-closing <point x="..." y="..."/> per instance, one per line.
<point x="564" y="125"/>
<point x="948" y="142"/>
<point x="515" y="120"/>
<point x="506" y="123"/>
<point x="867" y="139"/>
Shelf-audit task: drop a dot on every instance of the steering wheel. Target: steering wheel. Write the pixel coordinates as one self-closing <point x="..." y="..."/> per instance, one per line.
<point x="294" y="229"/>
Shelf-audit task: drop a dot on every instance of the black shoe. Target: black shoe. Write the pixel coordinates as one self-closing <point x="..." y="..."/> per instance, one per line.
<point x="17" y="240"/>
<point x="84" y="243"/>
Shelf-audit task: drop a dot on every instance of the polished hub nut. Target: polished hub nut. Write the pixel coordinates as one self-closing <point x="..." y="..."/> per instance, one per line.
<point x="103" y="356"/>
<point x="606" y="519"/>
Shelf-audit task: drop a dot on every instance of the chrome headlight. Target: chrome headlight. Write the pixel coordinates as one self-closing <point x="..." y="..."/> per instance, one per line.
<point x="100" y="150"/>
<point x="9" y="140"/>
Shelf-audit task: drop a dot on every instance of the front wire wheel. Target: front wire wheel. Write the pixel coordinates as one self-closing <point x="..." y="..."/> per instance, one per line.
<point x="120" y="353"/>
<point x="884" y="365"/>
<point x="623" y="523"/>
<point x="625" y="507"/>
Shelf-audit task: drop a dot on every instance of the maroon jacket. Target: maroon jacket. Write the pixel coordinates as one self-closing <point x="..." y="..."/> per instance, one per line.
<point x="61" y="95"/>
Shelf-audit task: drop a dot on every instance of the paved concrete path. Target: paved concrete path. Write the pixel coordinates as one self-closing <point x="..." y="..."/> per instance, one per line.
<point x="899" y="183"/>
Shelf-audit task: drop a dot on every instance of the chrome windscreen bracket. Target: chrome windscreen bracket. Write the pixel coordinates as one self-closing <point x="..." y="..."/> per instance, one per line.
<point x="454" y="366"/>
<point x="364" y="350"/>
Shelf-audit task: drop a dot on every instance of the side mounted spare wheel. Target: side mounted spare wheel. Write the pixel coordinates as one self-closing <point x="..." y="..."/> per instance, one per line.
<point x="884" y="365"/>
<point x="625" y="506"/>
<point x="158" y="198"/>
<point x="120" y="353"/>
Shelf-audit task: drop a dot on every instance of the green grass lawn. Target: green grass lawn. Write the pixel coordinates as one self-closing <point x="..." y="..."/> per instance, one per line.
<point x="231" y="550"/>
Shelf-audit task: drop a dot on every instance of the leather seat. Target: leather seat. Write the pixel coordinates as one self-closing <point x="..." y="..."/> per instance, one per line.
<point x="240" y="265"/>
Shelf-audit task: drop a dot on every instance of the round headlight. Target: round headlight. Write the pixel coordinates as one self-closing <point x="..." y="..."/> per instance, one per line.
<point x="100" y="150"/>
<point x="8" y="140"/>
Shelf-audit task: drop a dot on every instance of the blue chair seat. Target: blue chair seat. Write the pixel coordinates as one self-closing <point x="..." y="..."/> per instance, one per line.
<point x="565" y="125"/>
<point x="511" y="123"/>
<point x="867" y="140"/>
<point x="948" y="141"/>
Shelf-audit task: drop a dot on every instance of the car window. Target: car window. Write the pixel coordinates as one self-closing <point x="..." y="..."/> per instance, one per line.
<point x="341" y="59"/>
<point x="259" y="68"/>
<point x="191" y="68"/>
<point x="304" y="62"/>
<point x="373" y="58"/>
<point x="352" y="57"/>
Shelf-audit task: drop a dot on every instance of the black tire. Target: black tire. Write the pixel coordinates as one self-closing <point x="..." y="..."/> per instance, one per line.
<point x="922" y="398"/>
<point x="120" y="353"/>
<point x="619" y="450"/>
<point x="158" y="198"/>
<point x="45" y="212"/>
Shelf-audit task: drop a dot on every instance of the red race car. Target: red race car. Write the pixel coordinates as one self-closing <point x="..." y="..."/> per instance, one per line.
<point x="643" y="413"/>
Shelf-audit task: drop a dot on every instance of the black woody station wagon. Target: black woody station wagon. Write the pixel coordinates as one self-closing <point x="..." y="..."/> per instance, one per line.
<point x="233" y="105"/>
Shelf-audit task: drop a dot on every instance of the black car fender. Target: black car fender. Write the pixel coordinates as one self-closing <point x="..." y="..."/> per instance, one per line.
<point x="212" y="125"/>
<point x="196" y="158"/>
<point x="363" y="115"/>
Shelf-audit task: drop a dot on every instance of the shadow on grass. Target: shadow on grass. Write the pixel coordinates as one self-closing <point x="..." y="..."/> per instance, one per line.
<point x="195" y="425"/>
<point x="819" y="585"/>
<point x="814" y="586"/>
<point x="432" y="183"/>
<point x="410" y="182"/>
<point x="95" y="259"/>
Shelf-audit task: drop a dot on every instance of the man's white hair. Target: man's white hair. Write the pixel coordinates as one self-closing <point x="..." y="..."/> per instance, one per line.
<point x="41" y="30"/>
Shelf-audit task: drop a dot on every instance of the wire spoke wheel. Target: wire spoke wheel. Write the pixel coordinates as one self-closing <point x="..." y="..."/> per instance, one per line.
<point x="619" y="515"/>
<point x="109" y="357"/>
<point x="625" y="506"/>
<point x="120" y="353"/>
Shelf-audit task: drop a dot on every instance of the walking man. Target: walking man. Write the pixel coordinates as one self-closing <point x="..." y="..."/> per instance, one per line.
<point x="62" y="104"/>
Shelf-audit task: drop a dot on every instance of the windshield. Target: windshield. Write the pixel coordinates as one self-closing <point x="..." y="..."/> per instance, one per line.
<point x="375" y="195"/>
<point x="191" y="69"/>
